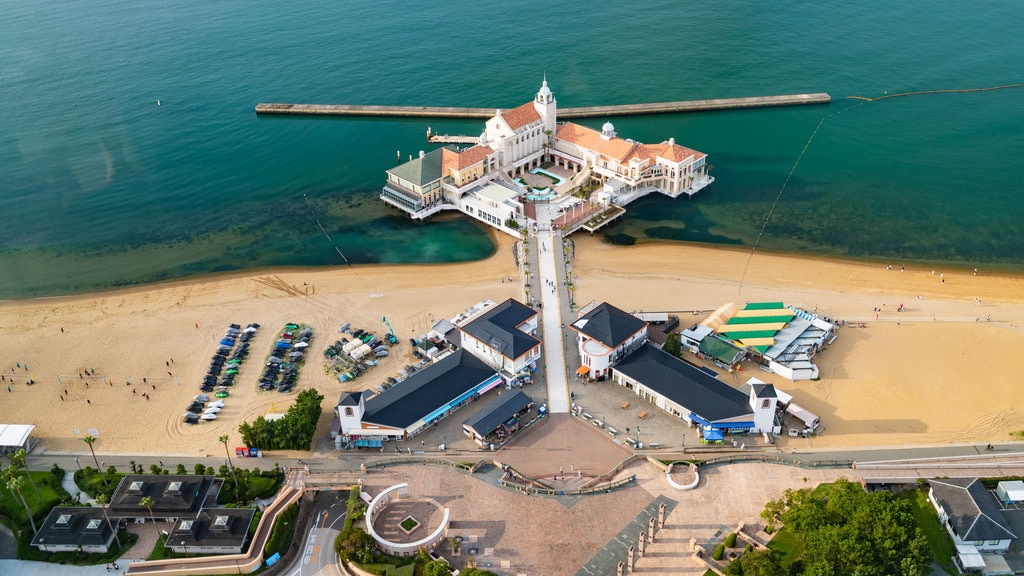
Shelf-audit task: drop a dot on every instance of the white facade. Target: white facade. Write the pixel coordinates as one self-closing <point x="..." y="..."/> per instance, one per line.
<point x="600" y="358"/>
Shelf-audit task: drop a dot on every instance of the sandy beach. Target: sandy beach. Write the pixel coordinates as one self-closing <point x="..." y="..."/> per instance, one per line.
<point x="939" y="376"/>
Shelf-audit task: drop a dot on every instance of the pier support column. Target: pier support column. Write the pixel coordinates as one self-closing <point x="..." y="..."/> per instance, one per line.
<point x="631" y="559"/>
<point x="661" y="516"/>
<point x="650" y="528"/>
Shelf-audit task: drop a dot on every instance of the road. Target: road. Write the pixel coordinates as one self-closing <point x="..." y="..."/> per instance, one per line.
<point x="318" y="557"/>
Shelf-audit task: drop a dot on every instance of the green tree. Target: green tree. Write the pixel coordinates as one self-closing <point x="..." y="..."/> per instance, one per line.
<point x="13" y="483"/>
<point x="755" y="563"/>
<point x="224" y="441"/>
<point x="148" y="503"/>
<point x="90" y="440"/>
<point x="438" y="567"/>
<point x="102" y="501"/>
<point x="672" y="344"/>
<point x="476" y="572"/>
<point x="180" y="470"/>
<point x="19" y="460"/>
<point x="846" y="530"/>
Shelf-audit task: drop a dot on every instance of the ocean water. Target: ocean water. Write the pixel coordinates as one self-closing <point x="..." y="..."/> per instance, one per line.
<point x="101" y="187"/>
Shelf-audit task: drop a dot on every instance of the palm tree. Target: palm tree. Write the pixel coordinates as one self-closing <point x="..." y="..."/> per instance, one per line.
<point x="13" y="482"/>
<point x="148" y="503"/>
<point x="89" y="440"/>
<point x="19" y="460"/>
<point x="102" y="501"/>
<point x="224" y="441"/>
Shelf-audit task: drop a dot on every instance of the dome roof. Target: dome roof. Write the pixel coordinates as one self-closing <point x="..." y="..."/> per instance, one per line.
<point x="608" y="127"/>
<point x="544" y="90"/>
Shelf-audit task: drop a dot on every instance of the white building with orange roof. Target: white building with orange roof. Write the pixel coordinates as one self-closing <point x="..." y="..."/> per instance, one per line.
<point x="630" y="168"/>
<point x="477" y="180"/>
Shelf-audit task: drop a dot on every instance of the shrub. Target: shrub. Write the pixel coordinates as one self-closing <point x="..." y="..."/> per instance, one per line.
<point x="719" y="552"/>
<point x="748" y="548"/>
<point x="730" y="540"/>
<point x="281" y="536"/>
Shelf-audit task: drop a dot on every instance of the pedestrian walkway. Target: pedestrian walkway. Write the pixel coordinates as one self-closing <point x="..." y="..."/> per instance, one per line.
<point x="27" y="568"/>
<point x="68" y="484"/>
<point x="548" y="248"/>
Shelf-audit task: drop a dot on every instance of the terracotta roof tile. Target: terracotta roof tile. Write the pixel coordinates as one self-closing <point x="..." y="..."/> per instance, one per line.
<point x="520" y="116"/>
<point x="452" y="160"/>
<point x="591" y="140"/>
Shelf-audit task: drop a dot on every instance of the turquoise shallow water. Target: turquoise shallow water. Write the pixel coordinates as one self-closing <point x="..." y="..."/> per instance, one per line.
<point x="101" y="187"/>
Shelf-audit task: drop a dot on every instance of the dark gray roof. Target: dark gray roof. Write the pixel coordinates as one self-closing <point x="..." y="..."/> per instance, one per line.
<point x="497" y="412"/>
<point x="705" y="395"/>
<point x="74" y="526"/>
<point x="174" y="496"/>
<point x="215" y="527"/>
<point x="608" y="325"/>
<point x="350" y="398"/>
<point x="973" y="512"/>
<point x="499" y="329"/>
<point x="427" y="390"/>
<point x="420" y="171"/>
<point x="764" y="391"/>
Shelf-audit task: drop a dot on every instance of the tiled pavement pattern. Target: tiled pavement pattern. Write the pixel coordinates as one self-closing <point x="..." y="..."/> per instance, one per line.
<point x="519" y="534"/>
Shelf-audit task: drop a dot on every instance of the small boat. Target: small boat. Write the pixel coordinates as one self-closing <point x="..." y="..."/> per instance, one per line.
<point x="208" y="416"/>
<point x="381" y="354"/>
<point x="345" y="327"/>
<point x="371" y="362"/>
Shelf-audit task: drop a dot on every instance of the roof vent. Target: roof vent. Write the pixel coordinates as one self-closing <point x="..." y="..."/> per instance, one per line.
<point x="174" y="487"/>
<point x="135" y="486"/>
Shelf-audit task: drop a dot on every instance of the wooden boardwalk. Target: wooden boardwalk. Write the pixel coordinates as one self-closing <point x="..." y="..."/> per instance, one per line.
<point x="567" y="113"/>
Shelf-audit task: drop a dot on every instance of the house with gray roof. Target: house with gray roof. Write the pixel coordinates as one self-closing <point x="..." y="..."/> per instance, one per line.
<point x="695" y="396"/>
<point x="212" y="531"/>
<point x="68" y="529"/>
<point x="605" y="335"/>
<point x="970" y="514"/>
<point x="503" y="337"/>
<point x="433" y="393"/>
<point x="174" y="496"/>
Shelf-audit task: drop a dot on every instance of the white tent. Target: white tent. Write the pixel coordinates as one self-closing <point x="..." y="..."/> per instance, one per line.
<point x="15" y="435"/>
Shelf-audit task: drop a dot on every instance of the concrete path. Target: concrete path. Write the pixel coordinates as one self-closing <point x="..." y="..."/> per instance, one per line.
<point x="549" y="246"/>
<point x="26" y="568"/>
<point x="68" y="483"/>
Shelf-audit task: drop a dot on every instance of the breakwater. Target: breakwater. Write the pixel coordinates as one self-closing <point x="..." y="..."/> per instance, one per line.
<point x="566" y="113"/>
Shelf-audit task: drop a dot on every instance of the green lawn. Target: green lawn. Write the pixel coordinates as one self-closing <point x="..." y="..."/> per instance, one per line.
<point x="787" y="546"/>
<point x="50" y="493"/>
<point x="939" y="540"/>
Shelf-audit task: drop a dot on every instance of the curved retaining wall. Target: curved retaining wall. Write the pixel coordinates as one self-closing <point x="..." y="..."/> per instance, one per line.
<point x="678" y="486"/>
<point x="403" y="549"/>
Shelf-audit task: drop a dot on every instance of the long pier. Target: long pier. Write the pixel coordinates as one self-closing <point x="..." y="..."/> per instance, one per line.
<point x="584" y="112"/>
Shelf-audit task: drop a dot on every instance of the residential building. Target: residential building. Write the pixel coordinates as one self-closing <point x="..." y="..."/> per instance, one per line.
<point x="70" y="529"/>
<point x="970" y="514"/>
<point x="212" y="531"/>
<point x="174" y="496"/>
<point x="606" y="334"/>
<point x="503" y="337"/>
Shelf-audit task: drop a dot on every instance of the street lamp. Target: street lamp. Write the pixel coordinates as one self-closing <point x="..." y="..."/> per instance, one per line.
<point x="185" y="547"/>
<point x="78" y="463"/>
